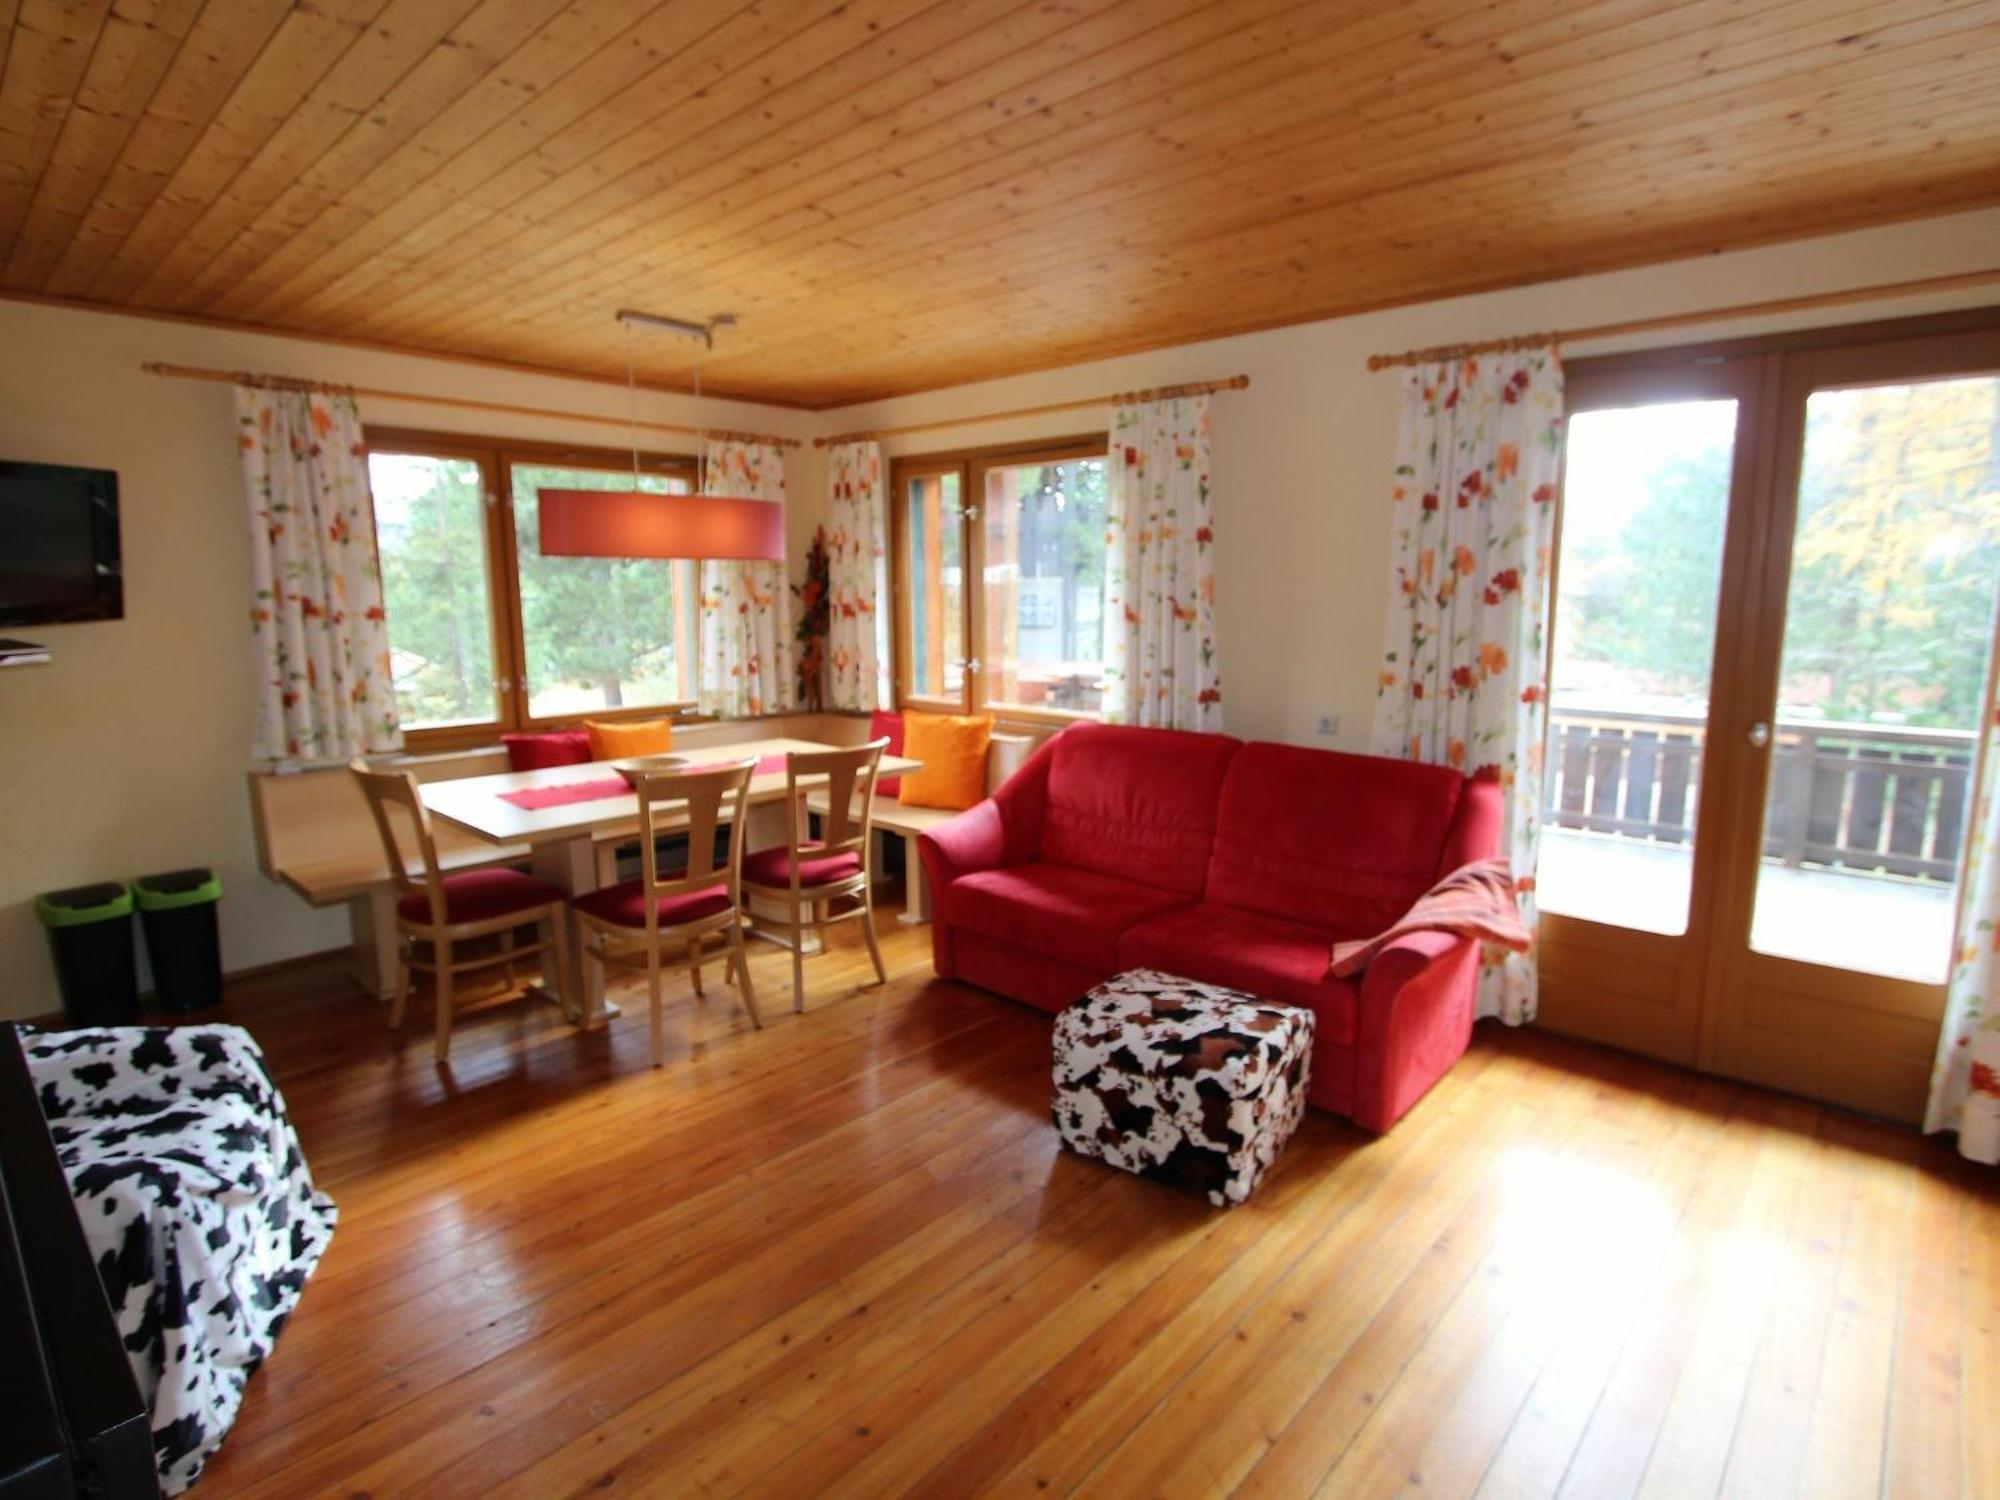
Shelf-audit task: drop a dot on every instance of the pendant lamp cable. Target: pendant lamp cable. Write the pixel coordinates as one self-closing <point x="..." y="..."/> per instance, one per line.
<point x="700" y="433"/>
<point x="632" y="407"/>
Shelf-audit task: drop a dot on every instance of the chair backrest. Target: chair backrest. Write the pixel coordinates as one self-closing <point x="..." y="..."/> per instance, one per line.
<point x="393" y="799"/>
<point x="703" y="794"/>
<point x="850" y="779"/>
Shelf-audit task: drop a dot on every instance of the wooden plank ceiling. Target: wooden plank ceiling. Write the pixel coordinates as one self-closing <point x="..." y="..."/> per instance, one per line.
<point x="900" y="194"/>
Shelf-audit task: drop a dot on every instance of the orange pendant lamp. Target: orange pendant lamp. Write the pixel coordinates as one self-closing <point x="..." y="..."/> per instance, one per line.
<point x="635" y="523"/>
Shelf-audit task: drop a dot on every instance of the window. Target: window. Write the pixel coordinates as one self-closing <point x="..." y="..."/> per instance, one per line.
<point x="485" y="633"/>
<point x="1044" y="577"/>
<point x="1034" y="541"/>
<point x="430" y="526"/>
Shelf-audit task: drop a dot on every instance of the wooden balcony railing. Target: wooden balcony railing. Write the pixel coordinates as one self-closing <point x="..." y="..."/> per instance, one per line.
<point x="1856" y="797"/>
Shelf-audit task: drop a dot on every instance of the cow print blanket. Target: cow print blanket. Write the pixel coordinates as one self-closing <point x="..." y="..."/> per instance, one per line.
<point x="198" y="1205"/>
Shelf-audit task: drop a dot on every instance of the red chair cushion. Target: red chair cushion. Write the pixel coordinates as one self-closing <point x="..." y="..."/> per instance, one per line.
<point x="538" y="752"/>
<point x="1135" y="803"/>
<point x="1343" y="842"/>
<point x="477" y="895"/>
<point x="774" y="867"/>
<point x="883" y="722"/>
<point x="1055" y="910"/>
<point x="1271" y="958"/>
<point x="625" y="903"/>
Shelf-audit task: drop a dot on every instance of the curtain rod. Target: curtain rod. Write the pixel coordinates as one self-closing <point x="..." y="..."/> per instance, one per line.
<point x="1120" y="398"/>
<point x="286" y="382"/>
<point x="1686" y="320"/>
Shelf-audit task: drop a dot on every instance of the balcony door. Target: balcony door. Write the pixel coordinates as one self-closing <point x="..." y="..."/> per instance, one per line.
<point x="1775" y="594"/>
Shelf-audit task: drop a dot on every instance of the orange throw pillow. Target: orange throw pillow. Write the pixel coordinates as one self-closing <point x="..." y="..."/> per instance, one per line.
<point x="616" y="741"/>
<point x="953" y="750"/>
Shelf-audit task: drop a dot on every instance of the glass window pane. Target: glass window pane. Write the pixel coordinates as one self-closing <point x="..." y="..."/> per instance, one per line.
<point x="430" y="528"/>
<point x="1044" y="581"/>
<point x="1645" y="499"/>
<point x="1895" y="564"/>
<point x="599" y="631"/>
<point x="932" y="525"/>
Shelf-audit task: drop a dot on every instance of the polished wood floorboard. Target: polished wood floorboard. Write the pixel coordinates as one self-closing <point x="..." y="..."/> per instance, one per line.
<point x="844" y="1255"/>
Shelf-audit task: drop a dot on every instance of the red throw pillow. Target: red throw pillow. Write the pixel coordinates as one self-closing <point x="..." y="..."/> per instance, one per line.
<point x="883" y="722"/>
<point x="538" y="752"/>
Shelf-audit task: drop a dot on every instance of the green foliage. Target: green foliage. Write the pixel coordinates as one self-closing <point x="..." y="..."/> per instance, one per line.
<point x="1898" y="553"/>
<point x="1653" y="609"/>
<point x="1895" y="565"/>
<point x="599" y="631"/>
<point x="440" y="632"/>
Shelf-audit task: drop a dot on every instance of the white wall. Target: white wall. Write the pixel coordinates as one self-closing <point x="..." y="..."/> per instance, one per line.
<point x="1302" y="458"/>
<point x="128" y="753"/>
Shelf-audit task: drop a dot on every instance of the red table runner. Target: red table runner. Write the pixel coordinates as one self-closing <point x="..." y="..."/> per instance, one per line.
<point x="562" y="793"/>
<point x="603" y="788"/>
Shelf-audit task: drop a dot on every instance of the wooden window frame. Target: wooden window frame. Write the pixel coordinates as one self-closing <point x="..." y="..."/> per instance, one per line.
<point x="971" y="465"/>
<point x="495" y="458"/>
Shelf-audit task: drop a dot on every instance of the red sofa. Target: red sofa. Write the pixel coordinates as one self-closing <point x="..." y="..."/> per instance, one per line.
<point x="1240" y="864"/>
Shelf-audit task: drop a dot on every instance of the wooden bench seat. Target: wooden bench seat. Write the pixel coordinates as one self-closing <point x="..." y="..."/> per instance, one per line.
<point x="316" y="836"/>
<point x="894" y="820"/>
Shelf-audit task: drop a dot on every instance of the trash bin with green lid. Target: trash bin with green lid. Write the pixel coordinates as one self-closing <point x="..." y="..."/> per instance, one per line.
<point x="90" y="934"/>
<point x="177" y="914"/>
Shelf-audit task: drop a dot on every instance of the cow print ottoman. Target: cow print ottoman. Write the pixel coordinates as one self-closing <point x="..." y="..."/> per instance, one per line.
<point x="197" y="1203"/>
<point x="1187" y="1083"/>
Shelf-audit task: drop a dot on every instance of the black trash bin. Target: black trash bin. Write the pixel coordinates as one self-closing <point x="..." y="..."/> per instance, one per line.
<point x="90" y="934"/>
<point x="177" y="914"/>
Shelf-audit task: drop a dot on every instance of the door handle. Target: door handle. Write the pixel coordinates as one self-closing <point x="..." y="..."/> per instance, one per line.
<point x="1760" y="735"/>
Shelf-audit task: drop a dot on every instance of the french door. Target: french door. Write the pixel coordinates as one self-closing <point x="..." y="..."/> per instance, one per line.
<point x="1775" y="593"/>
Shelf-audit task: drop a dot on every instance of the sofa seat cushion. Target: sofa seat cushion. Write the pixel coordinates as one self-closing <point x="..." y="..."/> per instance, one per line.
<point x="1069" y="914"/>
<point x="1269" y="957"/>
<point x="479" y="895"/>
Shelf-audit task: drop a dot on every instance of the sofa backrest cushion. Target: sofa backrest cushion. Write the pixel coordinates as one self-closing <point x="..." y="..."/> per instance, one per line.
<point x="1136" y="803"/>
<point x="1344" y="842"/>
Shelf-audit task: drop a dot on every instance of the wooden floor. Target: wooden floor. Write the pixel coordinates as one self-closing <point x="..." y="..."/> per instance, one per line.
<point x="845" y="1256"/>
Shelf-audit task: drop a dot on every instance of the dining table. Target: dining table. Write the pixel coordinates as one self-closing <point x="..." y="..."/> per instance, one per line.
<point x="573" y="819"/>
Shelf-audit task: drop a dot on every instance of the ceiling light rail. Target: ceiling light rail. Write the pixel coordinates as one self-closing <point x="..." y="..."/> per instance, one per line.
<point x="633" y="317"/>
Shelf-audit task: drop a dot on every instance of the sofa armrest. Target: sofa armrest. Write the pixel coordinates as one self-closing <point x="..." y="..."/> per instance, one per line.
<point x="1415" y="1020"/>
<point x="974" y="840"/>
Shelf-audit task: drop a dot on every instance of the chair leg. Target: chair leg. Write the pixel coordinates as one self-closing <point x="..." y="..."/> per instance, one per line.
<point x="695" y="945"/>
<point x="559" y="935"/>
<point x="507" y="947"/>
<point x="741" y="960"/>
<point x="400" y="1001"/>
<point x="868" y="931"/>
<point x="441" y="953"/>
<point x="797" y="934"/>
<point x="659" y="1024"/>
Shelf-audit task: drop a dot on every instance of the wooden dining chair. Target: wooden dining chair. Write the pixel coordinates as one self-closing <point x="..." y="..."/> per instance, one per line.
<point x="628" y="924"/>
<point x="807" y="876"/>
<point x="443" y="912"/>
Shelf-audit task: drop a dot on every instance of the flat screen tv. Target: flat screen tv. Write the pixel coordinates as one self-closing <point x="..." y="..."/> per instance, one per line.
<point x="58" y="545"/>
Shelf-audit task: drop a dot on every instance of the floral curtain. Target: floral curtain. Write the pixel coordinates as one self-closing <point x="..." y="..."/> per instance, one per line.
<point x="1160" y="662"/>
<point x="324" y="687"/>
<point x="1965" y="1083"/>
<point x="858" y="635"/>
<point x="1479" y="453"/>
<point x="746" y="644"/>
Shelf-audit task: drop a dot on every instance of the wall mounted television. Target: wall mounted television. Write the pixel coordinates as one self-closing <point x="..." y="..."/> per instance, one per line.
<point x="58" y="545"/>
